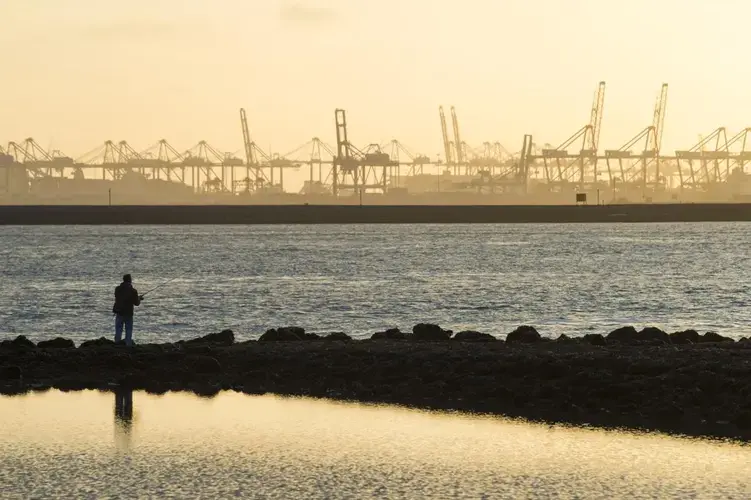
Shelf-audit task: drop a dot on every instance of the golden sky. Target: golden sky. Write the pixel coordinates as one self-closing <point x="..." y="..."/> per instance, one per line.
<point x="78" y="72"/>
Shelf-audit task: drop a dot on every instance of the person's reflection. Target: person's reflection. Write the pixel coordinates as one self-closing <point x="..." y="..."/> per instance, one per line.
<point x="123" y="417"/>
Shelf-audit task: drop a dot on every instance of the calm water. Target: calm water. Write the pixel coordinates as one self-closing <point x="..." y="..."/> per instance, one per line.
<point x="564" y="278"/>
<point x="82" y="445"/>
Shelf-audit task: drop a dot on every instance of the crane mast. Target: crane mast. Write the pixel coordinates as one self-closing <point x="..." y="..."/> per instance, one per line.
<point x="446" y="142"/>
<point x="457" y="141"/>
<point x="249" y="153"/>
<point x="595" y="120"/>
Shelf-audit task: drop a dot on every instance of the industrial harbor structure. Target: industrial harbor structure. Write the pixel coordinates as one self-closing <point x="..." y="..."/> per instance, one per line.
<point x="579" y="169"/>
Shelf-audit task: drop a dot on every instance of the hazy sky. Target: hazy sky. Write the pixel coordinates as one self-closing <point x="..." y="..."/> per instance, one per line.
<point x="78" y="72"/>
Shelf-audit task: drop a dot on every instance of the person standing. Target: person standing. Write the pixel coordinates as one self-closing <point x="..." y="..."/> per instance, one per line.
<point x="126" y="299"/>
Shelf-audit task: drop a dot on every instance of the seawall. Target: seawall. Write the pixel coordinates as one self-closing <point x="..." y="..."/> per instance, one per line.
<point x="369" y="214"/>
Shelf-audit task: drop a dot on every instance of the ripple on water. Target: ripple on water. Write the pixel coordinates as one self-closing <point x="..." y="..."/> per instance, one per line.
<point x="564" y="278"/>
<point x="89" y="445"/>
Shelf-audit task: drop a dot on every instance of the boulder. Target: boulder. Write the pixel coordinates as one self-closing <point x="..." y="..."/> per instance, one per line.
<point x="20" y="342"/>
<point x="714" y="337"/>
<point x="563" y="338"/>
<point x="203" y="364"/>
<point x="224" y="338"/>
<point x="652" y="333"/>
<point x="685" y="337"/>
<point x="311" y="336"/>
<point x="622" y="334"/>
<point x="390" y="334"/>
<point x="341" y="336"/>
<point x="10" y="372"/>
<point x="283" y="334"/>
<point x="100" y="342"/>
<point x="56" y="343"/>
<point x="524" y="334"/>
<point x="594" y="339"/>
<point x="427" y="331"/>
<point x="472" y="336"/>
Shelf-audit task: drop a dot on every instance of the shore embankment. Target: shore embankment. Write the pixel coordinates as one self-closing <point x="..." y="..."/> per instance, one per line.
<point x="684" y="382"/>
<point x="370" y="214"/>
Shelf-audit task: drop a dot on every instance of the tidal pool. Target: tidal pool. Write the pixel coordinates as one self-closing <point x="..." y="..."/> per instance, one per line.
<point x="98" y="445"/>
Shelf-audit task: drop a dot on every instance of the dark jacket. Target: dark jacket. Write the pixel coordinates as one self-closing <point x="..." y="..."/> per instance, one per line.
<point x="126" y="297"/>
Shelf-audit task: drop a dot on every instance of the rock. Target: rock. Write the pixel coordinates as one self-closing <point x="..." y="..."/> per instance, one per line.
<point x="685" y="337"/>
<point x="311" y="336"/>
<point x="472" y="336"/>
<point x="563" y="338"/>
<point x="594" y="339"/>
<point x="427" y="331"/>
<point x="100" y="342"/>
<point x="203" y="364"/>
<point x="10" y="372"/>
<point x="714" y="337"/>
<point x="338" y="336"/>
<point x="225" y="338"/>
<point x="652" y="333"/>
<point x="744" y="339"/>
<point x="524" y="334"/>
<point x="56" y="343"/>
<point x="283" y="334"/>
<point x="20" y="342"/>
<point x="390" y="334"/>
<point x="623" y="334"/>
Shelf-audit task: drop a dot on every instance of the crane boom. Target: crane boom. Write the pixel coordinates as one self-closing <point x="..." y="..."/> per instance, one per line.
<point x="658" y="119"/>
<point x="446" y="142"/>
<point x="595" y="120"/>
<point x="249" y="155"/>
<point x="457" y="139"/>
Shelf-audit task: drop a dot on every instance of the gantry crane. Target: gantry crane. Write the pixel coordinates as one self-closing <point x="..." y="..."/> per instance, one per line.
<point x="164" y="161"/>
<point x="107" y="156"/>
<point x="403" y="157"/>
<point x="354" y="170"/>
<point x="706" y="168"/>
<point x="38" y="162"/>
<point x="313" y="151"/>
<point x="259" y="179"/>
<point x="205" y="160"/>
<point x="642" y="170"/>
<point x="563" y="169"/>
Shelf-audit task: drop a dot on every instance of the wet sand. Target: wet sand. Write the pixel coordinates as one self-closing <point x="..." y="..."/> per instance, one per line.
<point x="681" y="383"/>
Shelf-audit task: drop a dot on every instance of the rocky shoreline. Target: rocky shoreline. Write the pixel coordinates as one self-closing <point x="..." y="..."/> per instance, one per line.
<point x="684" y="382"/>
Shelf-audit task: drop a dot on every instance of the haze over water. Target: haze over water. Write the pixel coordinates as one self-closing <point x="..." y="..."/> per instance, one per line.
<point x="568" y="278"/>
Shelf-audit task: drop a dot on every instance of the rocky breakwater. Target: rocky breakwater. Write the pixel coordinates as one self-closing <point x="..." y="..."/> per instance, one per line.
<point x="683" y="382"/>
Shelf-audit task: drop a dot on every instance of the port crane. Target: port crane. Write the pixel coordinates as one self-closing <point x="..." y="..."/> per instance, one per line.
<point x="705" y="167"/>
<point x="641" y="171"/>
<point x="564" y="169"/>
<point x="356" y="171"/>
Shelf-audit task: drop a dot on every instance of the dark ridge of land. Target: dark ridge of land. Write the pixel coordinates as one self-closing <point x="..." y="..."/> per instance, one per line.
<point x="682" y="383"/>
<point x="368" y="214"/>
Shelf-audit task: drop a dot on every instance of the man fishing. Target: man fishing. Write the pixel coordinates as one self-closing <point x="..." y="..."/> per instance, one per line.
<point x="126" y="298"/>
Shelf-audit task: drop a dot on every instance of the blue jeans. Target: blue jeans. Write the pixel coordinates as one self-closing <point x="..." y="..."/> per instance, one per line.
<point x="127" y="322"/>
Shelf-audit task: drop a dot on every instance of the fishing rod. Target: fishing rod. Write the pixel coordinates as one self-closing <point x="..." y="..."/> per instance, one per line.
<point x="158" y="286"/>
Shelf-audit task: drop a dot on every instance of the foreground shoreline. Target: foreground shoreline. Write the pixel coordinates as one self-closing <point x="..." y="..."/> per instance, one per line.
<point x="369" y="214"/>
<point x="684" y="383"/>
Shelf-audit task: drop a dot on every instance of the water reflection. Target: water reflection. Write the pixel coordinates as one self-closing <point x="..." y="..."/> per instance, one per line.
<point x="60" y="445"/>
<point x="123" y="417"/>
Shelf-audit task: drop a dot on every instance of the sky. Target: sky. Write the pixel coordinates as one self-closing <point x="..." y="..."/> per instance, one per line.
<point x="78" y="72"/>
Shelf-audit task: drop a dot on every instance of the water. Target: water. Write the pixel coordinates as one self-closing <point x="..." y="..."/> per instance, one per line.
<point x="78" y="445"/>
<point x="562" y="278"/>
